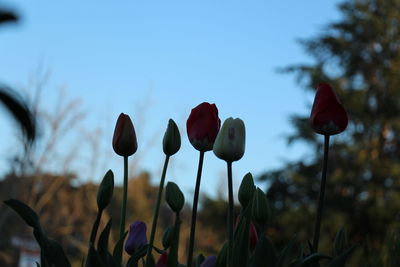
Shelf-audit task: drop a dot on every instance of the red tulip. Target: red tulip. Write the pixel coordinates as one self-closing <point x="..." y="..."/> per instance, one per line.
<point x="253" y="233"/>
<point x="203" y="126"/>
<point x="124" y="140"/>
<point x="328" y="117"/>
<point x="163" y="260"/>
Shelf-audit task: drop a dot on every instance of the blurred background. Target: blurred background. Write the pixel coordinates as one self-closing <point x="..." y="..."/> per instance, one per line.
<point x="76" y="66"/>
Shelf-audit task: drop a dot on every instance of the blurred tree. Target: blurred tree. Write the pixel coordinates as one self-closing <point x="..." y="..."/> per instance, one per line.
<point x="360" y="57"/>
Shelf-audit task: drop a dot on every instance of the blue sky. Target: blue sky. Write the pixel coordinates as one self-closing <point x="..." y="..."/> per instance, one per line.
<point x="156" y="60"/>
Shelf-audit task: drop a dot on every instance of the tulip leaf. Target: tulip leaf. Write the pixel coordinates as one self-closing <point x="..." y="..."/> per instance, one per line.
<point x="282" y="258"/>
<point x="261" y="208"/>
<point x="94" y="259"/>
<point x="265" y="254"/>
<point x="340" y="241"/>
<point x="25" y="212"/>
<point x="311" y="260"/>
<point x="222" y="256"/>
<point x="241" y="242"/>
<point x="167" y="236"/>
<point x="119" y="247"/>
<point x="246" y="190"/>
<point x="199" y="260"/>
<point x="340" y="260"/>
<point x="56" y="254"/>
<point x="102" y="244"/>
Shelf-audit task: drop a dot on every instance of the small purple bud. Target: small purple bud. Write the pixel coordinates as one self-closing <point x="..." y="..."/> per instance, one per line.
<point x="136" y="238"/>
<point x="210" y="261"/>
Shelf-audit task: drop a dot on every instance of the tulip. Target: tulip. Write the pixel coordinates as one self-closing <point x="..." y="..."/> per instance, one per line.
<point x="163" y="260"/>
<point x="172" y="139"/>
<point x="230" y="142"/>
<point x="124" y="140"/>
<point x="328" y="117"/>
<point x="202" y="126"/>
<point x="136" y="238"/>
<point x="210" y="261"/>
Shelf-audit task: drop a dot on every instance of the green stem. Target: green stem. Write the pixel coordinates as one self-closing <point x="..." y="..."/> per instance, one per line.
<point x="321" y="196"/>
<point x="123" y="209"/>
<point x="156" y="210"/>
<point x="230" y="216"/>
<point x="173" y="256"/>
<point x="194" y="210"/>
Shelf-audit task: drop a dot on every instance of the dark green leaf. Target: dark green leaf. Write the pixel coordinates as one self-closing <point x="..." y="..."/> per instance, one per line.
<point x="102" y="244"/>
<point x="265" y="254"/>
<point x="119" y="247"/>
<point x="340" y="260"/>
<point x="199" y="260"/>
<point x="340" y="241"/>
<point x="283" y="255"/>
<point x="312" y="259"/>
<point x="25" y="212"/>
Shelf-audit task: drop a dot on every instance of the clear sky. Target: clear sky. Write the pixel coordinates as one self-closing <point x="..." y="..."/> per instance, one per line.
<point x="156" y="60"/>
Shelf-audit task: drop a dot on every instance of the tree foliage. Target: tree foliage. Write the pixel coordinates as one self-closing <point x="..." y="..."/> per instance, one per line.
<point x="359" y="55"/>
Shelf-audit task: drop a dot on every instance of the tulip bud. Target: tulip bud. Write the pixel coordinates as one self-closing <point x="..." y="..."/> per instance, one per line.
<point x="172" y="139"/>
<point x="230" y="142"/>
<point x="246" y="190"/>
<point x="174" y="197"/>
<point x="261" y="209"/>
<point x="210" y="261"/>
<point x="106" y="189"/>
<point x="202" y="126"/>
<point x="163" y="260"/>
<point x="136" y="238"/>
<point x="124" y="140"/>
<point x="328" y="117"/>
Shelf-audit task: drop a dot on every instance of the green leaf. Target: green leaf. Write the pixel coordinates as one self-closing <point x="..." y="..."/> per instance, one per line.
<point x="199" y="260"/>
<point x="261" y="208"/>
<point x="241" y="243"/>
<point x="102" y="244"/>
<point x="222" y="256"/>
<point x="119" y="247"/>
<point x="282" y="258"/>
<point x="340" y="260"/>
<point x="312" y="259"/>
<point x="93" y="258"/>
<point x="340" y="241"/>
<point x="265" y="254"/>
<point x="25" y="212"/>
<point x="246" y="190"/>
<point x="55" y="254"/>
<point x="167" y="236"/>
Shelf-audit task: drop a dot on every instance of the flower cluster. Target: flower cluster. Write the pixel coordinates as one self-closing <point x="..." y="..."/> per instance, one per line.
<point x="247" y="242"/>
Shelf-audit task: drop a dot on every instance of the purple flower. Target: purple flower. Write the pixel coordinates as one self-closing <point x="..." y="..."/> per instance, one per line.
<point x="136" y="238"/>
<point x="210" y="261"/>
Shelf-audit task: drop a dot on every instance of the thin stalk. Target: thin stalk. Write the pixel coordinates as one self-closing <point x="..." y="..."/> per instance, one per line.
<point x="230" y="215"/>
<point x="124" y="200"/>
<point x="321" y="196"/>
<point x="156" y="210"/>
<point x="194" y="210"/>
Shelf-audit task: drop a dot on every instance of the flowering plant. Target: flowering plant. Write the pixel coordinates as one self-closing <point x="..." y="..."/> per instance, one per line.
<point x="247" y="241"/>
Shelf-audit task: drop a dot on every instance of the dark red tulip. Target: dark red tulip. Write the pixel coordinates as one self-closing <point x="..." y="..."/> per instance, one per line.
<point x="124" y="140"/>
<point x="202" y="126"/>
<point x="328" y="117"/>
